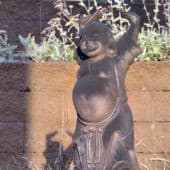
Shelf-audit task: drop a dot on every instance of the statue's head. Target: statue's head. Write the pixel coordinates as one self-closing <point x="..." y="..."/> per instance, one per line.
<point x="96" y="38"/>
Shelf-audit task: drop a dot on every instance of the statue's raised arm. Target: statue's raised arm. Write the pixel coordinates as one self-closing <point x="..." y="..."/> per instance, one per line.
<point x="127" y="44"/>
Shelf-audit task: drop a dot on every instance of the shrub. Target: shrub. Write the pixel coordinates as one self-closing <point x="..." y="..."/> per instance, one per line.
<point x="40" y="52"/>
<point x="154" y="38"/>
<point x="6" y="50"/>
<point x="155" y="45"/>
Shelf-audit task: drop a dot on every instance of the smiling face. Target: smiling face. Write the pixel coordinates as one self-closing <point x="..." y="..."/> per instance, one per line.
<point x="91" y="48"/>
<point x="94" y="39"/>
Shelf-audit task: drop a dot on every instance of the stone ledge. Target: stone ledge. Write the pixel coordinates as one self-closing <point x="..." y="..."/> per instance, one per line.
<point x="152" y="76"/>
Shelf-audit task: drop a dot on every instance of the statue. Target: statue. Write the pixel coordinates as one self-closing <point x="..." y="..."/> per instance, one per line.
<point x="104" y="136"/>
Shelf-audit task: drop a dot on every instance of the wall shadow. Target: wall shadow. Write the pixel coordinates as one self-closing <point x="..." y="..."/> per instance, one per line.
<point x="56" y="157"/>
<point x="19" y="132"/>
<point x="14" y="94"/>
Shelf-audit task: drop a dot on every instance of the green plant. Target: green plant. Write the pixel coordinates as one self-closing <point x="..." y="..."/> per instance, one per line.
<point x="46" y="50"/>
<point x="6" y="50"/>
<point x="155" y="45"/>
<point x="154" y="38"/>
<point x="154" y="42"/>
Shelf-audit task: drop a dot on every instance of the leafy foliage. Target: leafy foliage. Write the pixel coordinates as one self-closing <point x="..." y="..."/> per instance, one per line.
<point x="60" y="36"/>
<point x="155" y="45"/>
<point x="154" y="38"/>
<point x="6" y="50"/>
<point x="43" y="51"/>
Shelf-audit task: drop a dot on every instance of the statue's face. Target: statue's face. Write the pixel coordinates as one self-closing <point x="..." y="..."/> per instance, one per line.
<point x="93" y="40"/>
<point x="91" y="47"/>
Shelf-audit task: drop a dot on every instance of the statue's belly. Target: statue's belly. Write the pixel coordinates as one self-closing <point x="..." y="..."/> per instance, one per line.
<point x="94" y="98"/>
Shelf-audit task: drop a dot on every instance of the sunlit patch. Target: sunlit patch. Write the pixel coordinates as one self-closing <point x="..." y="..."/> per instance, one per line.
<point x="104" y="75"/>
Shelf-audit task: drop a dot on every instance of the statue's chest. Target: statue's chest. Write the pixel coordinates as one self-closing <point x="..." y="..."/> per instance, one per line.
<point x="97" y="79"/>
<point x="104" y="69"/>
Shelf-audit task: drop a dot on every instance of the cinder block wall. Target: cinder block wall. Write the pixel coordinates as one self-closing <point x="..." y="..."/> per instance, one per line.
<point x="24" y="17"/>
<point x="37" y="117"/>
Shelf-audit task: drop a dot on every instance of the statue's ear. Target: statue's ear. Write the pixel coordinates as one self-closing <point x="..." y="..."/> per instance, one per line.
<point x="83" y="21"/>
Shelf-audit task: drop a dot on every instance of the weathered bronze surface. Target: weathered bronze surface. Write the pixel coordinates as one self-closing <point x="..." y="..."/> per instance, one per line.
<point x="104" y="136"/>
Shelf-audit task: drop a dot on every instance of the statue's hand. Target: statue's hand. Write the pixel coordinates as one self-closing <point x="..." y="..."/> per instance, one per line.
<point x="131" y="16"/>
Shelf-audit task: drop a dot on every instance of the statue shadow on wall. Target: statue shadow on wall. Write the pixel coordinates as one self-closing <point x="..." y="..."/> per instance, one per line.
<point x="56" y="157"/>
